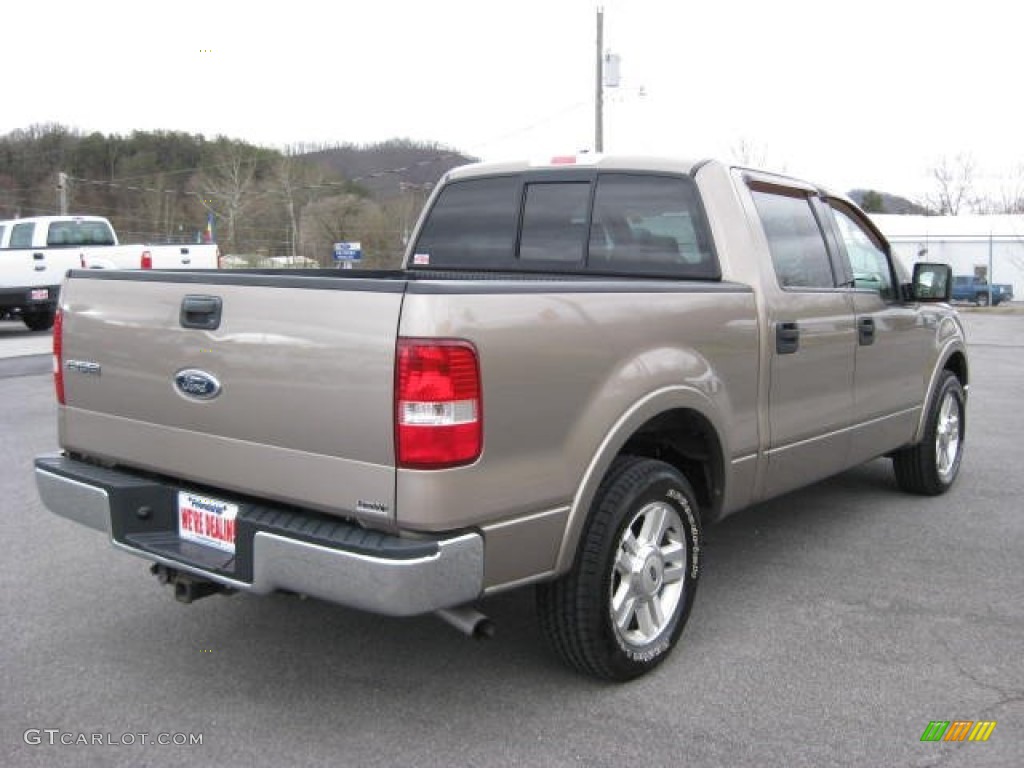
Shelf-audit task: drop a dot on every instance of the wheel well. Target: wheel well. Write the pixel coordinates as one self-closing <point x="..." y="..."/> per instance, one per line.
<point x="957" y="363"/>
<point x="687" y="441"/>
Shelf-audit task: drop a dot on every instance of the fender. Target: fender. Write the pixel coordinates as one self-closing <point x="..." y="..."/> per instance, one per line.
<point x="657" y="402"/>
<point x="952" y="345"/>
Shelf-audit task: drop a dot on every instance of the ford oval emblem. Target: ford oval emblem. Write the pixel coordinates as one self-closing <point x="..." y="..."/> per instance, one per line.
<point x="199" y="385"/>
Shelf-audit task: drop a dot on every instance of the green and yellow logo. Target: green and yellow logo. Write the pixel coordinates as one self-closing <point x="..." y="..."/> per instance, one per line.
<point x="958" y="730"/>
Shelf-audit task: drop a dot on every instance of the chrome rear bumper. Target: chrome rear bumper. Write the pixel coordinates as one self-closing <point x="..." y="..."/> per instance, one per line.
<point x="340" y="563"/>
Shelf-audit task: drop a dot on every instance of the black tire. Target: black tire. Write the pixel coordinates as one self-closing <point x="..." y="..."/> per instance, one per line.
<point x="930" y="467"/>
<point x="39" y="320"/>
<point x="644" y="523"/>
<point x="981" y="299"/>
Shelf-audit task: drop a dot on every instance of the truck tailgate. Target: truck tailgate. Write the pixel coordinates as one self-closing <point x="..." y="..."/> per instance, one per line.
<point x="303" y="368"/>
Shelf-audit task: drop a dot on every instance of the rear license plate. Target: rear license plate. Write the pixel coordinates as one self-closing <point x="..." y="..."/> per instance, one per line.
<point x="40" y="294"/>
<point x="207" y="521"/>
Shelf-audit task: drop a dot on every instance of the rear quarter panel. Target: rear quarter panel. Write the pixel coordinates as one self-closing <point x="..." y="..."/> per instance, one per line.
<point x="561" y="368"/>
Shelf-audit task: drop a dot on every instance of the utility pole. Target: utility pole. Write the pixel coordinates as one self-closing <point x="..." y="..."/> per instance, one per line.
<point x="991" y="277"/>
<point x="62" y="193"/>
<point x="599" y="85"/>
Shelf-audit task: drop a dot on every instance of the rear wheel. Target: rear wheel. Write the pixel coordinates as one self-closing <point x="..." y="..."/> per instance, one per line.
<point x="930" y="467"/>
<point x="620" y="610"/>
<point x="38" y="320"/>
<point x="982" y="299"/>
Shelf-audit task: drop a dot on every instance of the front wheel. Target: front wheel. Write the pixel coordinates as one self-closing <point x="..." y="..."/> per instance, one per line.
<point x="982" y="299"/>
<point x="620" y="610"/>
<point x="930" y="467"/>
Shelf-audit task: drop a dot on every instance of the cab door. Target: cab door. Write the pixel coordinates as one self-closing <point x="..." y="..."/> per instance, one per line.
<point x="812" y="338"/>
<point x="895" y="343"/>
<point x="21" y="265"/>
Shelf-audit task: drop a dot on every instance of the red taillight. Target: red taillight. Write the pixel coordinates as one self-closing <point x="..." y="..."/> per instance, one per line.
<point x="438" y="409"/>
<point x="58" y="355"/>
<point x="147" y="260"/>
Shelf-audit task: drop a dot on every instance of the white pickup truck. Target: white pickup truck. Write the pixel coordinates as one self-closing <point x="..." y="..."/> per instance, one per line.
<point x="35" y="254"/>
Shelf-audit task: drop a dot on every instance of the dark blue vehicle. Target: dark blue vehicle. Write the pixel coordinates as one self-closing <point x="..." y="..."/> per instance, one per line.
<point x="976" y="290"/>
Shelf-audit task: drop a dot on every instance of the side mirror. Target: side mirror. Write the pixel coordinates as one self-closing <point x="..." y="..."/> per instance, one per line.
<point x="931" y="282"/>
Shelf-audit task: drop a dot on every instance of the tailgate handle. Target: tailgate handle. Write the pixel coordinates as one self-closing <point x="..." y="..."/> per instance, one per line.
<point x="202" y="312"/>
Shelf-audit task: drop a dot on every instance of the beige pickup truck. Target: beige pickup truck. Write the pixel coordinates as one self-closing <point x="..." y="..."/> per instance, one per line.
<point x="583" y="363"/>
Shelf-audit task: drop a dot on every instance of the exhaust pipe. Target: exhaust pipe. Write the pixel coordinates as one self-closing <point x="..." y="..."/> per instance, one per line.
<point x="468" y="621"/>
<point x="187" y="590"/>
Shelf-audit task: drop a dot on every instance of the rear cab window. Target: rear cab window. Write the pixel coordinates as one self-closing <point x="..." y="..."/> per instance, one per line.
<point x="72" y="233"/>
<point x="609" y="222"/>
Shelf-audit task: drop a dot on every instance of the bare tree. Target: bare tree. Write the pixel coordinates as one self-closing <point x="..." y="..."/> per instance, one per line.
<point x="746" y="153"/>
<point x="228" y="188"/>
<point x="954" y="185"/>
<point x="349" y="217"/>
<point x="1009" y="198"/>
<point x="156" y="203"/>
<point x="296" y="182"/>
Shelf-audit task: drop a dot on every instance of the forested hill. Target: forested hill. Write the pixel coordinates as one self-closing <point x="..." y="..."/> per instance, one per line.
<point x="164" y="186"/>
<point x="874" y="201"/>
<point x="385" y="169"/>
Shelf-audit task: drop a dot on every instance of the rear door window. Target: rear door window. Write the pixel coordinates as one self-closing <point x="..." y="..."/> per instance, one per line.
<point x="795" y="240"/>
<point x="21" y="235"/>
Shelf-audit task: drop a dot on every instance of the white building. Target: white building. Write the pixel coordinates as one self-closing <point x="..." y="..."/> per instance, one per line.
<point x="971" y="245"/>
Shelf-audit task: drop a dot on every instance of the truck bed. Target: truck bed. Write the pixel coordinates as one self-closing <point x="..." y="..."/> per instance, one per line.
<point x="306" y="366"/>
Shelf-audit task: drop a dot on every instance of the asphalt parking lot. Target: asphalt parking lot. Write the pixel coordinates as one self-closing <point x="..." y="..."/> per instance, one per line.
<point x="831" y="626"/>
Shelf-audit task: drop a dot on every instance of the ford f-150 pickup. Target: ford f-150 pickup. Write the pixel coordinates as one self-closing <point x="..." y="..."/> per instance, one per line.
<point x="36" y="252"/>
<point x="582" y="363"/>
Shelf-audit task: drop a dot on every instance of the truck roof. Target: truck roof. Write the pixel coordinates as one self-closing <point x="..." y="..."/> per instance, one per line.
<point x="582" y="160"/>
<point x="51" y="219"/>
<point x="645" y="163"/>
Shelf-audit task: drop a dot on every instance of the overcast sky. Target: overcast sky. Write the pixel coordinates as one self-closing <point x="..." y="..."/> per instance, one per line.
<point x="860" y="94"/>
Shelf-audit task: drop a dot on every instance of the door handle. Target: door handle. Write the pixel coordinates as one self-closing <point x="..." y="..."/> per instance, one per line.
<point x="202" y="312"/>
<point x="866" y="331"/>
<point x="787" y="338"/>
